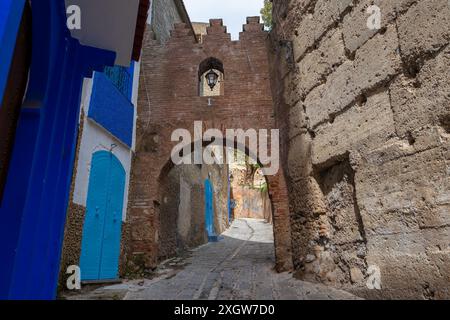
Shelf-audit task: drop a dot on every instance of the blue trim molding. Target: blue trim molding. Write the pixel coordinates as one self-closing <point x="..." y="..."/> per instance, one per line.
<point x="10" y="16"/>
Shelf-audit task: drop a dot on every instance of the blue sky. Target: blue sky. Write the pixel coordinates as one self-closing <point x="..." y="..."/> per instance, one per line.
<point x="233" y="12"/>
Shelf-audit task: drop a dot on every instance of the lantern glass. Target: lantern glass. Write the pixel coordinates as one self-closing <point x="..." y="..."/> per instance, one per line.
<point x="212" y="78"/>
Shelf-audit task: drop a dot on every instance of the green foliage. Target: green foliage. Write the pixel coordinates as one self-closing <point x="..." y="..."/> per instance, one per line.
<point x="266" y="13"/>
<point x="264" y="188"/>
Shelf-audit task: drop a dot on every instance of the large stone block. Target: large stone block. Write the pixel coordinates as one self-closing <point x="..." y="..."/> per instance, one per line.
<point x="315" y="66"/>
<point x="355" y="29"/>
<point x="375" y="63"/>
<point x="313" y="26"/>
<point x="400" y="195"/>
<point x="371" y="123"/>
<point x="299" y="157"/>
<point x="425" y="100"/>
<point x="409" y="270"/>
<point x="297" y="121"/>
<point x="424" y="29"/>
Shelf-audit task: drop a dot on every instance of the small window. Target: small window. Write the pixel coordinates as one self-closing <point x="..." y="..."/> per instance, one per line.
<point x="211" y="78"/>
<point x="122" y="78"/>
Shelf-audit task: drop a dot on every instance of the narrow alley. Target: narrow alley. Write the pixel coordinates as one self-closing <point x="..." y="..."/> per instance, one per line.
<point x="224" y="150"/>
<point x="239" y="266"/>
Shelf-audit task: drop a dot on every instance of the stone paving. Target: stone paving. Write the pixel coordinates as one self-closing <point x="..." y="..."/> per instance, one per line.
<point x="239" y="266"/>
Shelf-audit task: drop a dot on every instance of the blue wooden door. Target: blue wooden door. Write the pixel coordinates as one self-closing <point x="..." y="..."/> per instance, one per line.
<point x="209" y="209"/>
<point x="100" y="247"/>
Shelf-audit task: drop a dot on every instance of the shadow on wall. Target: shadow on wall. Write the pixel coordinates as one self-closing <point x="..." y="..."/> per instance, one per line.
<point x="182" y="209"/>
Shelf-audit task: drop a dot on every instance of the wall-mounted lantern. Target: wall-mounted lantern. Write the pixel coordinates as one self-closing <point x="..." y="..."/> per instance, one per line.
<point x="212" y="78"/>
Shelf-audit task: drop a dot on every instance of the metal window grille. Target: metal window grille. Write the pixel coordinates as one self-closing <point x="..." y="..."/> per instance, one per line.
<point x="121" y="78"/>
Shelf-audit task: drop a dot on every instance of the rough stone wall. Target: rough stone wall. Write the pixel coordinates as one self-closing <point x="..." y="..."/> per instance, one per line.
<point x="367" y="142"/>
<point x="167" y="103"/>
<point x="164" y="14"/>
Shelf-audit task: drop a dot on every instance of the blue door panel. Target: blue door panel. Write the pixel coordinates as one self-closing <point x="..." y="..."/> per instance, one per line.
<point x="100" y="247"/>
<point x="113" y="222"/>
<point x="209" y="209"/>
<point x="91" y="244"/>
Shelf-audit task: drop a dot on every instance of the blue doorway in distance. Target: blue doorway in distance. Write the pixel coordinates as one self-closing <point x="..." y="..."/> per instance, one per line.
<point x="100" y="247"/>
<point x="209" y="212"/>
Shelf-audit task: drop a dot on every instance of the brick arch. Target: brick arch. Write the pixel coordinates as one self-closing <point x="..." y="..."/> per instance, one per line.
<point x="277" y="194"/>
<point x="167" y="103"/>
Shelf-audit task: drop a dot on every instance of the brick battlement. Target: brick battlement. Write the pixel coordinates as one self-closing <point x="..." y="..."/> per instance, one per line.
<point x="217" y="31"/>
<point x="253" y="25"/>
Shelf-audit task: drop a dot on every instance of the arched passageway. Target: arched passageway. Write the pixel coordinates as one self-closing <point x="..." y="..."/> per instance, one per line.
<point x="199" y="202"/>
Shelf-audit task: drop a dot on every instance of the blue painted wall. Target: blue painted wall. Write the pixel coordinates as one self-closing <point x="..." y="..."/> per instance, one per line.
<point x="33" y="209"/>
<point x="10" y="16"/>
<point x="100" y="248"/>
<point x="112" y="109"/>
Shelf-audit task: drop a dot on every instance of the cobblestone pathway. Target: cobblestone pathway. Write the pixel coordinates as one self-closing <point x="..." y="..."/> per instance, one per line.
<point x="239" y="266"/>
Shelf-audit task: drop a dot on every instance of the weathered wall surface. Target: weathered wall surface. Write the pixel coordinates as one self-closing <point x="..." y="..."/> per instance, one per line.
<point x="367" y="142"/>
<point x="167" y="103"/>
<point x="250" y="193"/>
<point x="251" y="203"/>
<point x="164" y="14"/>
<point x="181" y="212"/>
